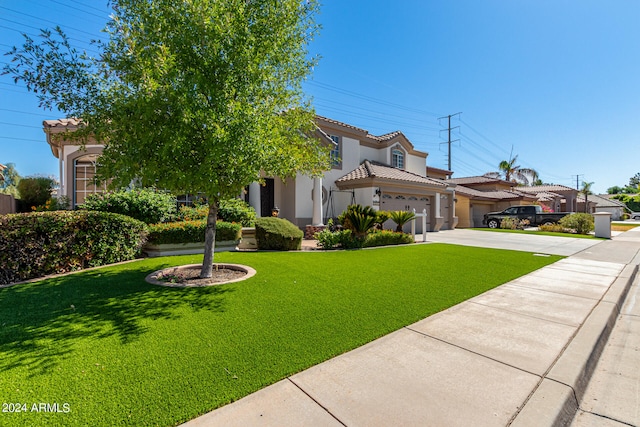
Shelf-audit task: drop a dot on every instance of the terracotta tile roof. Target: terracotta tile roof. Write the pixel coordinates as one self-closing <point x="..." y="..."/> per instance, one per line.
<point x="370" y="169"/>
<point x="602" y="202"/>
<point x="386" y="136"/>
<point x="61" y="123"/>
<point x="492" y="195"/>
<point x="547" y="188"/>
<point x="545" y="196"/>
<point x="469" y="180"/>
<point x="335" y="122"/>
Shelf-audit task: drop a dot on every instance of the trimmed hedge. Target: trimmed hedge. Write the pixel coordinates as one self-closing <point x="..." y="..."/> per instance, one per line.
<point x="345" y="239"/>
<point x="387" y="237"/>
<point x="191" y="232"/>
<point x="41" y="243"/>
<point x="278" y="234"/>
<point x="229" y="210"/>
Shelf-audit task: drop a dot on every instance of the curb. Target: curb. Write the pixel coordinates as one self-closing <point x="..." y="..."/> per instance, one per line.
<point x="557" y="398"/>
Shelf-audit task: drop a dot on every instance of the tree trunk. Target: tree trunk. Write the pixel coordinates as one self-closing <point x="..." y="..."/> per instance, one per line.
<point x="209" y="240"/>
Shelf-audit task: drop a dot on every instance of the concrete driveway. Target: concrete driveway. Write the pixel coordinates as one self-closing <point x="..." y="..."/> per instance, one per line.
<point x="552" y="245"/>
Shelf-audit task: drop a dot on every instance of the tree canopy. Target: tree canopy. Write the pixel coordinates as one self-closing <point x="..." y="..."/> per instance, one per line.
<point x="189" y="96"/>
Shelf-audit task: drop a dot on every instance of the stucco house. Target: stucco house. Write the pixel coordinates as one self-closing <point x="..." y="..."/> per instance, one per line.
<point x="385" y="172"/>
<point x="479" y="195"/>
<point x="551" y="194"/>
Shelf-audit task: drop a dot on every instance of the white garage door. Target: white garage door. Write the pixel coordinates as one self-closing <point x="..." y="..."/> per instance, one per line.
<point x="406" y="202"/>
<point x="478" y="212"/>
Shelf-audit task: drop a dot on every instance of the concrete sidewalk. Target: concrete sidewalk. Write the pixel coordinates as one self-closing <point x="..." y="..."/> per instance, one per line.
<point x="520" y="354"/>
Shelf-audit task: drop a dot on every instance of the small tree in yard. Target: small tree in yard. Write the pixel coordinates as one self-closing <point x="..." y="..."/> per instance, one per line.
<point x="190" y="96"/>
<point x="586" y="191"/>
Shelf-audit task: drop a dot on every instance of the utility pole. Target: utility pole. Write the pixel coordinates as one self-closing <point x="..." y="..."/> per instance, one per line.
<point x="577" y="180"/>
<point x="449" y="141"/>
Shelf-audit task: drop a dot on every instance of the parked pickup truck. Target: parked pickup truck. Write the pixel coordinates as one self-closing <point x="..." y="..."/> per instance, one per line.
<point x="534" y="214"/>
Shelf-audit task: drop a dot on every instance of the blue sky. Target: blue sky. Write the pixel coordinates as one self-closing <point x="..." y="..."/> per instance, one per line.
<point x="557" y="82"/>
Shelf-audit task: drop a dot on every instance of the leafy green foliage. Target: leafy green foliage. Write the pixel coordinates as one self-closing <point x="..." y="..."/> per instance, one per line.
<point x="191" y="213"/>
<point x="631" y="201"/>
<point x="35" y="190"/>
<point x="401" y="218"/>
<point x="36" y="244"/>
<point x="236" y="210"/>
<point x="278" y="234"/>
<point x="61" y="203"/>
<point x="345" y="239"/>
<point x="552" y="228"/>
<point x="229" y="210"/>
<point x="359" y="219"/>
<point x="146" y="205"/>
<point x="514" y="223"/>
<point x="190" y="232"/>
<point x="191" y="96"/>
<point x="10" y="180"/>
<point x="581" y="223"/>
<point x="386" y="238"/>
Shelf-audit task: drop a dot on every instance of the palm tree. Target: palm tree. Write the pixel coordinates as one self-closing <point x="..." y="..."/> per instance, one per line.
<point x="586" y="190"/>
<point x="2" y="168"/>
<point x="509" y="171"/>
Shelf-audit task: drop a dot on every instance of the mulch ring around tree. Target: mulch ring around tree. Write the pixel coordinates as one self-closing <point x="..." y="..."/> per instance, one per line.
<point x="188" y="276"/>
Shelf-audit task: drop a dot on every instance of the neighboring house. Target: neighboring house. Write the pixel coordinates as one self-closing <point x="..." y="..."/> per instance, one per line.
<point x="479" y="195"/>
<point x="385" y="172"/>
<point x="601" y="203"/>
<point x="568" y="196"/>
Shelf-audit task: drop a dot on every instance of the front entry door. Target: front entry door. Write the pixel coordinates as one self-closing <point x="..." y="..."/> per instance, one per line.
<point x="267" y="198"/>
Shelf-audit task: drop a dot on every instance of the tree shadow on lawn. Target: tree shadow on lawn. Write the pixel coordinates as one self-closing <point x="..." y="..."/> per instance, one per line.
<point x="41" y="322"/>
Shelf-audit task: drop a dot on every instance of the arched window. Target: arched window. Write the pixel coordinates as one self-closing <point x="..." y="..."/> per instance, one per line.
<point x="397" y="158"/>
<point x="84" y="173"/>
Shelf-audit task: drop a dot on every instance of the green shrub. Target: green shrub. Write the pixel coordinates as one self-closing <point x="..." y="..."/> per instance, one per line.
<point x="387" y="237"/>
<point x="61" y="203"/>
<point x="345" y="239"/>
<point x="35" y="191"/>
<point x="359" y="219"/>
<point x="236" y="210"/>
<point x="191" y="213"/>
<point x="41" y="243"/>
<point x="581" y="223"/>
<point x="190" y="232"/>
<point x="278" y="234"/>
<point x="553" y="228"/>
<point x="514" y="223"/>
<point x="231" y="210"/>
<point x="401" y="218"/>
<point x="146" y="205"/>
<point x="381" y="218"/>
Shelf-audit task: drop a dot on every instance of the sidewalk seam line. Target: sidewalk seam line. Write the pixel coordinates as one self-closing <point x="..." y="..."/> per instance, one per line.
<point x="472" y="352"/>
<point x="315" y="401"/>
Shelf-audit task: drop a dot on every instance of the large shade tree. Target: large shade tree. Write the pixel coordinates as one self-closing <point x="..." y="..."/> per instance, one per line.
<point x="510" y="171"/>
<point x="188" y="95"/>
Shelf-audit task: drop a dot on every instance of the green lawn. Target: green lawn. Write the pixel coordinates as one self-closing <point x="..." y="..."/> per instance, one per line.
<point x="118" y="351"/>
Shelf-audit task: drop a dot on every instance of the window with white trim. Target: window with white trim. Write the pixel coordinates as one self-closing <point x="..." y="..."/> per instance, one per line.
<point x="335" y="152"/>
<point x="84" y="174"/>
<point x="397" y="158"/>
